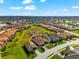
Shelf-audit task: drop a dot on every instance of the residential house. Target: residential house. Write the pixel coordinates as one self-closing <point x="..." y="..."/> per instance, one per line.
<point x="72" y="54"/>
<point x="34" y="32"/>
<point x="5" y="36"/>
<point x="53" y="38"/>
<point x="30" y="46"/>
<point x="65" y="35"/>
<point x="40" y="41"/>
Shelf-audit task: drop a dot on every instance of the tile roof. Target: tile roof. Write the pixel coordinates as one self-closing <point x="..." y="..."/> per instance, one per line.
<point x="1" y="43"/>
<point x="54" y="37"/>
<point x="34" y="31"/>
<point x="30" y="46"/>
<point x="39" y="40"/>
<point x="5" y="35"/>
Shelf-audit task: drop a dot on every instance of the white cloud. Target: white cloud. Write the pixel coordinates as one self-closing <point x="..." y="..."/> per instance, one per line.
<point x="42" y="0"/>
<point x="65" y="9"/>
<point x="31" y="7"/>
<point x="1" y="14"/>
<point x="27" y="1"/>
<point x="16" y="8"/>
<point x="26" y="14"/>
<point x="4" y="14"/>
<point x="1" y="1"/>
<point x="75" y="6"/>
<point x="54" y="12"/>
<point x="48" y="13"/>
<point x="23" y="14"/>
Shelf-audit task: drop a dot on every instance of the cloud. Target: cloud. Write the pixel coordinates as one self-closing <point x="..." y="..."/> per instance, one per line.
<point x="54" y="12"/>
<point x="27" y="1"/>
<point x="1" y="1"/>
<point x="16" y="8"/>
<point x="2" y="14"/>
<point x="75" y="6"/>
<point x="26" y="14"/>
<point x="31" y="7"/>
<point x="48" y="13"/>
<point x="42" y="0"/>
<point x="65" y="10"/>
<point x="23" y="14"/>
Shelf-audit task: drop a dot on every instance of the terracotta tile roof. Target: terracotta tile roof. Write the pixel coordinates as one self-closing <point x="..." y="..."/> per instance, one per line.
<point x="12" y="31"/>
<point x="30" y="46"/>
<point x="3" y="38"/>
<point x="39" y="40"/>
<point x="34" y="31"/>
<point x="64" y="35"/>
<point x="1" y="43"/>
<point x="5" y="35"/>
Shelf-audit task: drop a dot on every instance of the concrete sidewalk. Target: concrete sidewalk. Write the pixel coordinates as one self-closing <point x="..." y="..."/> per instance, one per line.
<point x="54" y="50"/>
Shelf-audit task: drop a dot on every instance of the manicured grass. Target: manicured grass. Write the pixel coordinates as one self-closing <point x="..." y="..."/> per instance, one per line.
<point x="9" y="57"/>
<point x="49" y="45"/>
<point x="56" y="57"/>
<point x="43" y="30"/>
<point x="19" y="52"/>
<point x="16" y="45"/>
<point x="68" y="23"/>
<point x="63" y="51"/>
<point x="76" y="31"/>
<point x="60" y="42"/>
<point x="76" y="46"/>
<point x="71" y="24"/>
<point x="73" y="39"/>
<point x="41" y="50"/>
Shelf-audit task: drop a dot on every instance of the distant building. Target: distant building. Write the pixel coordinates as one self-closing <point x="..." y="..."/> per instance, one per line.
<point x="60" y="36"/>
<point x="34" y="32"/>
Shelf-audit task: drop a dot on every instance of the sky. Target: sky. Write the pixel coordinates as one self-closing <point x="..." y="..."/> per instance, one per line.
<point x="39" y="7"/>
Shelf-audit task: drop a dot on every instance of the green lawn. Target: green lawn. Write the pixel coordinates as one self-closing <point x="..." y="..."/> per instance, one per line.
<point x="76" y="46"/>
<point x="19" y="52"/>
<point x="41" y="50"/>
<point x="63" y="51"/>
<point x="16" y="45"/>
<point x="73" y="39"/>
<point x="68" y="23"/>
<point x="49" y="45"/>
<point x="71" y="24"/>
<point x="60" y="42"/>
<point x="56" y="57"/>
<point x="76" y="31"/>
<point x="9" y="57"/>
<point x="43" y="30"/>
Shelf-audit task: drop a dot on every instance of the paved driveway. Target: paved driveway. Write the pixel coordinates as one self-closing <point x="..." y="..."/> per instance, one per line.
<point x="55" y="49"/>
